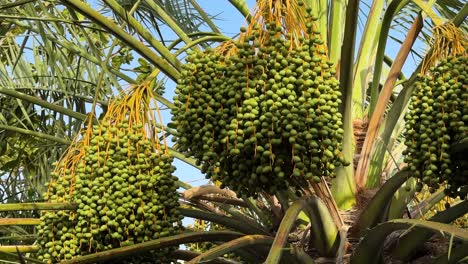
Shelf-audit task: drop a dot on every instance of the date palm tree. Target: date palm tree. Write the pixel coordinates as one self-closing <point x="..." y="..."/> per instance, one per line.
<point x="63" y="61"/>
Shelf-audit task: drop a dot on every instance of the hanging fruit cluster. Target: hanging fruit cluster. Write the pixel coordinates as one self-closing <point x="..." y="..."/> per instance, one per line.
<point x="437" y="119"/>
<point x="120" y="177"/>
<point x="262" y="113"/>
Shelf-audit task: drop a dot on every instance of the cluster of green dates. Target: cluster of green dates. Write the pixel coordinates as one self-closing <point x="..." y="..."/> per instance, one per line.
<point x="436" y="121"/>
<point x="264" y="117"/>
<point x="125" y="193"/>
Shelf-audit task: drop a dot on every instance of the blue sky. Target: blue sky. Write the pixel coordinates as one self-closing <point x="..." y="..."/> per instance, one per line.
<point x="228" y="18"/>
